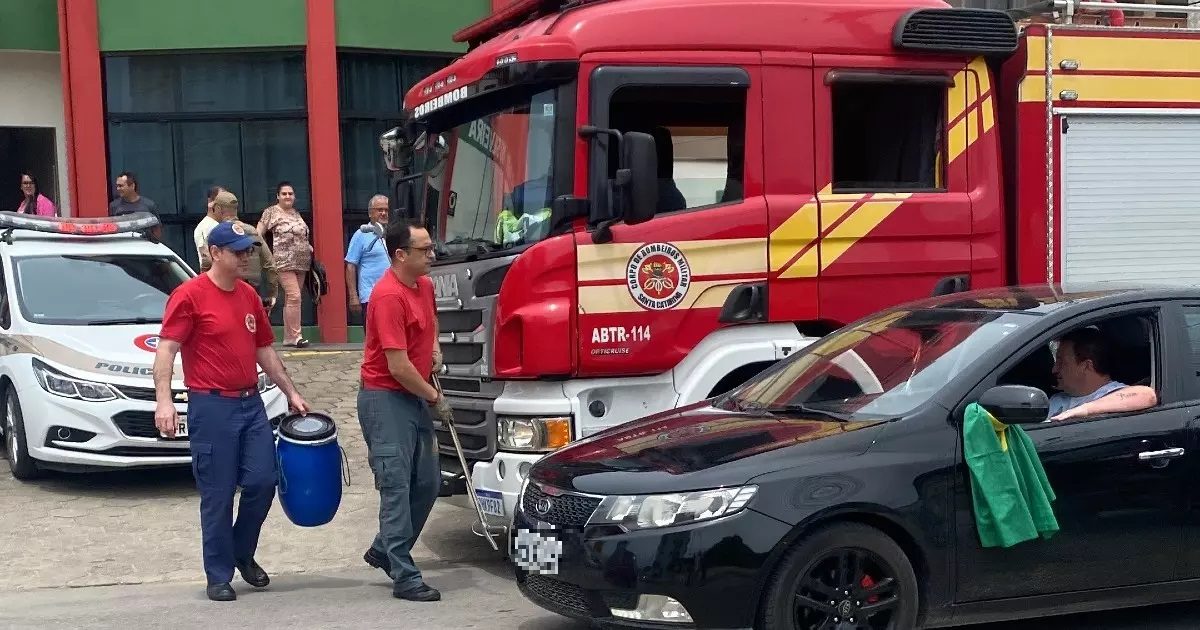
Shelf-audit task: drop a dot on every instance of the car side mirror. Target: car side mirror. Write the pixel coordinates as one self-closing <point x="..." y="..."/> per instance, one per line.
<point x="1016" y="404"/>
<point x="640" y="159"/>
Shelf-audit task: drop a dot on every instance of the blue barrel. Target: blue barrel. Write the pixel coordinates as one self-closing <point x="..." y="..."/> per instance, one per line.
<point x="310" y="469"/>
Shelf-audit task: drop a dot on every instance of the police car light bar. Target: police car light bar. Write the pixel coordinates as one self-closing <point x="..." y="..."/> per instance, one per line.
<point x="77" y="226"/>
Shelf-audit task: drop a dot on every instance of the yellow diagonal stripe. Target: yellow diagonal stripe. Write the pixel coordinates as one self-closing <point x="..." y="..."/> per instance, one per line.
<point x="804" y="267"/>
<point x="793" y="235"/>
<point x="865" y="219"/>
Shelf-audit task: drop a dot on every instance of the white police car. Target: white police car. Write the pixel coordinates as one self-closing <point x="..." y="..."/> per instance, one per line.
<point x="81" y="304"/>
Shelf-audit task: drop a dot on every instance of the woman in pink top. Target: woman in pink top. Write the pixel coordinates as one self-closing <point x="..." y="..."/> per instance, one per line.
<point x="32" y="200"/>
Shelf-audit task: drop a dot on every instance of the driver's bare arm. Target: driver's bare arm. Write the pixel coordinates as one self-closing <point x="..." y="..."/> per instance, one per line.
<point x="1132" y="398"/>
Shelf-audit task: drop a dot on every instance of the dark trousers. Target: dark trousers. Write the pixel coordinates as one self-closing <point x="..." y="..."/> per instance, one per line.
<point x="364" y="316"/>
<point x="399" y="433"/>
<point x="232" y="445"/>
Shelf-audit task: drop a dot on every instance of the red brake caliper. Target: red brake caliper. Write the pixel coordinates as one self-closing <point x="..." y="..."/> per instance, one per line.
<point x="867" y="583"/>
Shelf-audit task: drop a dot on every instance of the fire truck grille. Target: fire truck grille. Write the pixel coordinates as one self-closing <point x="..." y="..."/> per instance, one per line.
<point x="967" y="31"/>
<point x="568" y="510"/>
<point x="462" y="353"/>
<point x="459" y="321"/>
<point x="475" y="432"/>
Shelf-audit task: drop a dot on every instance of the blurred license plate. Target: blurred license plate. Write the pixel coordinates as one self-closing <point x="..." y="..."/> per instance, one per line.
<point x="492" y="503"/>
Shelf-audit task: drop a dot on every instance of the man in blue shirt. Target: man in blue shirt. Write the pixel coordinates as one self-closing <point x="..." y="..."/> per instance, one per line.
<point x="367" y="257"/>
<point x="1082" y="366"/>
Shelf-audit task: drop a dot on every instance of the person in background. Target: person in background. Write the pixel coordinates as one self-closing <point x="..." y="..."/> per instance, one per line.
<point x="219" y="325"/>
<point x="130" y="200"/>
<point x="288" y="235"/>
<point x="367" y="257"/>
<point x="32" y="199"/>
<point x="260" y="271"/>
<point x="210" y="221"/>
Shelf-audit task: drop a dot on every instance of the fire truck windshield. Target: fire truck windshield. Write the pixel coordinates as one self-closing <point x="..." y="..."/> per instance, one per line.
<point x="488" y="177"/>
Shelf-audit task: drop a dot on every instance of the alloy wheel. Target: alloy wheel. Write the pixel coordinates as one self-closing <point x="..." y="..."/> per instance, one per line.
<point x="847" y="589"/>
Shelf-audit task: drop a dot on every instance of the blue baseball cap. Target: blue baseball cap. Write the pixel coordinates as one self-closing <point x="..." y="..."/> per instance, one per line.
<point x="232" y="236"/>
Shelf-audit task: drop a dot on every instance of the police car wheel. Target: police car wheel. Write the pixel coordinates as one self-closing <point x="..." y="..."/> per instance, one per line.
<point x="16" y="447"/>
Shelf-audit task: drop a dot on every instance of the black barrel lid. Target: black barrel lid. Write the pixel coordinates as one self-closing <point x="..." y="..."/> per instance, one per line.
<point x="310" y="427"/>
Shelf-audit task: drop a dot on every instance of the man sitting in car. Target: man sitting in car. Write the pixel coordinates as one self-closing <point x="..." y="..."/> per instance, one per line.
<point x="1082" y="367"/>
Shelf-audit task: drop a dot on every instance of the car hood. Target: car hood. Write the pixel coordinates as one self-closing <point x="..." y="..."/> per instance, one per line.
<point x="699" y="447"/>
<point x="118" y="352"/>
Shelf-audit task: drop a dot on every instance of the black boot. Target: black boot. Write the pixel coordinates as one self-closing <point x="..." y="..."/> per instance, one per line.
<point x="253" y="574"/>
<point x="221" y="592"/>
<point x="378" y="560"/>
<point x="420" y="593"/>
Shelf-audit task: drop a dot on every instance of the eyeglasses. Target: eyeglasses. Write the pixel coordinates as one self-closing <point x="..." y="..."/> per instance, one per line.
<point x="427" y="250"/>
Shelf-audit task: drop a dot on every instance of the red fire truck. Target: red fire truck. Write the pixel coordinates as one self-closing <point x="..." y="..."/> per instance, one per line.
<point x="640" y="204"/>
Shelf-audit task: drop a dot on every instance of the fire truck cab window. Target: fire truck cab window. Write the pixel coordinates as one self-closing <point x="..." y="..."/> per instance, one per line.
<point x="887" y="136"/>
<point x="700" y="136"/>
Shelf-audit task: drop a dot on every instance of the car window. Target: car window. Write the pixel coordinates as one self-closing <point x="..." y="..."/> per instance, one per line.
<point x="888" y="365"/>
<point x="5" y="307"/>
<point x="88" y="290"/>
<point x="1191" y="316"/>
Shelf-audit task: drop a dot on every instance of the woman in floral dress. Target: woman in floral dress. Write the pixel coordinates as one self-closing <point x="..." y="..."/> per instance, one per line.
<point x="293" y="256"/>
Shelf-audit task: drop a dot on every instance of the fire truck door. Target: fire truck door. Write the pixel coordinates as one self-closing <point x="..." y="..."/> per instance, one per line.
<point x="658" y="288"/>
<point x="892" y="179"/>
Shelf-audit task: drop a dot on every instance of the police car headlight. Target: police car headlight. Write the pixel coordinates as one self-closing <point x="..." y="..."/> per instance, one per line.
<point x="533" y="434"/>
<point x="60" y="384"/>
<point x="265" y="383"/>
<point x="646" y="511"/>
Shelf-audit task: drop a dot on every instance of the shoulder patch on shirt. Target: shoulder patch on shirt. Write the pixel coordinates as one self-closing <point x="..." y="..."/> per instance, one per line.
<point x="251" y="323"/>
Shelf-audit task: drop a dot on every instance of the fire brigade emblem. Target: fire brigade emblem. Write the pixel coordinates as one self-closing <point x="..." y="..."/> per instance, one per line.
<point x="658" y="276"/>
<point x="251" y="323"/>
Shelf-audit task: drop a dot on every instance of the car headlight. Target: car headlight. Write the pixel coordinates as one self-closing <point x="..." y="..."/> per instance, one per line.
<point x="534" y="434"/>
<point x="632" y="512"/>
<point x="60" y="384"/>
<point x="265" y="383"/>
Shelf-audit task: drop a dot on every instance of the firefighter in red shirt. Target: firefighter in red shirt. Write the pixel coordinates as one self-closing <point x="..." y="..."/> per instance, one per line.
<point x="394" y="407"/>
<point x="218" y="323"/>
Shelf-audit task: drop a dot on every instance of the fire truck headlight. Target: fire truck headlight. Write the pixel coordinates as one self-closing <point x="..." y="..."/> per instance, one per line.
<point x="534" y="434"/>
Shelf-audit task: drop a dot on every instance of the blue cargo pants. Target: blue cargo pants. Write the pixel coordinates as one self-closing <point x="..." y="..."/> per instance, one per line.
<point x="232" y="445"/>
<point x="398" y="429"/>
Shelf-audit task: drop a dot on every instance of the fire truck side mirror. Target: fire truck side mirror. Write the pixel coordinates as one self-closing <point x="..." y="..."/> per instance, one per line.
<point x="639" y="159"/>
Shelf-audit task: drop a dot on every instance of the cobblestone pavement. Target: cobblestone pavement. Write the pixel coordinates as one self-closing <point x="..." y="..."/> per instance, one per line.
<point x="135" y="527"/>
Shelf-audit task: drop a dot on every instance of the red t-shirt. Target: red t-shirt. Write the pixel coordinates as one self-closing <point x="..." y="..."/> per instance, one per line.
<point x="219" y="332"/>
<point x="398" y="318"/>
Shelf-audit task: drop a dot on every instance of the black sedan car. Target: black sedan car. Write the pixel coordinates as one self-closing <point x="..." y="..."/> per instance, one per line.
<point x="831" y="491"/>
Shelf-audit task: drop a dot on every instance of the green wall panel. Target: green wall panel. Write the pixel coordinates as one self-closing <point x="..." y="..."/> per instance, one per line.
<point x="29" y="25"/>
<point x="417" y="25"/>
<point x="130" y="25"/>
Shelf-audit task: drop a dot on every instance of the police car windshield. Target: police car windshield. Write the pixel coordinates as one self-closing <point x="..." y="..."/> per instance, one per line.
<point x="93" y="290"/>
<point x="487" y="185"/>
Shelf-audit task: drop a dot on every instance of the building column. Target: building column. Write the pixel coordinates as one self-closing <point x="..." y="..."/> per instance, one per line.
<point x="83" y="107"/>
<point x="325" y="164"/>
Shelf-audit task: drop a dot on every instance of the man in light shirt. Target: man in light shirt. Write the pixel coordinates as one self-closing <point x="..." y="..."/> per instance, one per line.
<point x="1082" y="367"/>
<point x="367" y="257"/>
<point x="210" y="221"/>
<point x="260" y="271"/>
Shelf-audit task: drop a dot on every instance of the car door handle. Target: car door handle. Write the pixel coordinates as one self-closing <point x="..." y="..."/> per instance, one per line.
<point x="1163" y="454"/>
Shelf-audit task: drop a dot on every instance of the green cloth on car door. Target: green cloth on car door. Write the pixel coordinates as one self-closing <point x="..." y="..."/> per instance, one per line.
<point x="1009" y="488"/>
